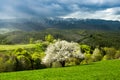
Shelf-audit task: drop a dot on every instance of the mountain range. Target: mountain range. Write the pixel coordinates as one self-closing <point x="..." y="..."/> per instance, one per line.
<point x="37" y="24"/>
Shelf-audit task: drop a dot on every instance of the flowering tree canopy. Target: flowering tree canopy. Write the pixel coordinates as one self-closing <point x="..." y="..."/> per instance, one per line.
<point x="61" y="51"/>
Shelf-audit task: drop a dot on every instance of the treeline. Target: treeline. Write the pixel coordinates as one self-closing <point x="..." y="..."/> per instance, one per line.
<point x="92" y="38"/>
<point x="23" y="59"/>
<point x="54" y="53"/>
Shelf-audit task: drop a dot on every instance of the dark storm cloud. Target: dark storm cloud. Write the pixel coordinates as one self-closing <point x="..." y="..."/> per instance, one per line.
<point x="62" y="8"/>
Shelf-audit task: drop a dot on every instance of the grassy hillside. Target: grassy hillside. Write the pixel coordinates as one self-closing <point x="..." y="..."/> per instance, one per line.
<point x="13" y="47"/>
<point x="104" y="70"/>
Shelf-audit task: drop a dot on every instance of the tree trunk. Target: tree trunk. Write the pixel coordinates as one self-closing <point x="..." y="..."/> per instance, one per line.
<point x="63" y="63"/>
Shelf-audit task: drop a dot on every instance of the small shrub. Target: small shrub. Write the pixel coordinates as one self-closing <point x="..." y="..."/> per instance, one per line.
<point x="18" y="50"/>
<point x="85" y="49"/>
<point x="87" y="58"/>
<point x="56" y="64"/>
<point x="49" y="38"/>
<point x="72" y="61"/>
<point x="117" y="55"/>
<point x="36" y="58"/>
<point x="8" y="64"/>
<point x="41" y="47"/>
<point x="97" y="55"/>
<point x="2" y="67"/>
<point x="109" y="53"/>
<point x="84" y="62"/>
<point x="106" y="57"/>
<point x="23" y="52"/>
<point x="24" y="63"/>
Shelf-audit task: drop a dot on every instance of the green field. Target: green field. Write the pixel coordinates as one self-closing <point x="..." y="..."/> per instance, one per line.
<point x="103" y="70"/>
<point x="12" y="47"/>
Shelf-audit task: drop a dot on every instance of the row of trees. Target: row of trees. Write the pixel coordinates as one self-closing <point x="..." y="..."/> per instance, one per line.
<point x="20" y="59"/>
<point x="54" y="53"/>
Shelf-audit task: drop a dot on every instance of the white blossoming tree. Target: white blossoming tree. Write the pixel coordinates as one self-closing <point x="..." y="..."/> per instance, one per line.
<point x="61" y="51"/>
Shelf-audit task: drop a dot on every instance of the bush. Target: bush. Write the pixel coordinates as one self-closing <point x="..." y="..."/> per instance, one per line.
<point x="49" y="38"/>
<point x="72" y="61"/>
<point x="84" y="62"/>
<point x="8" y="64"/>
<point x="56" y="64"/>
<point x="2" y="66"/>
<point x="36" y="61"/>
<point x="85" y="49"/>
<point x="18" y="50"/>
<point x="41" y="47"/>
<point x="109" y="53"/>
<point x="106" y="57"/>
<point x="87" y="58"/>
<point x="23" y="52"/>
<point x="24" y="63"/>
<point x="97" y="55"/>
<point x="117" y="55"/>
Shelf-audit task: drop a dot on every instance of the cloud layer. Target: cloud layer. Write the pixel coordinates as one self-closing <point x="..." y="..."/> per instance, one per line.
<point x="107" y="14"/>
<point x="97" y="9"/>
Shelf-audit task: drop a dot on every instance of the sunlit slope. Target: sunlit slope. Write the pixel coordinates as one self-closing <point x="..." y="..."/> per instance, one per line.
<point x="104" y="70"/>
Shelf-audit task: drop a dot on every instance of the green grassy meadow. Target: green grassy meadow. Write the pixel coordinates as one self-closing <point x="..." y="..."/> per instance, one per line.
<point x="13" y="47"/>
<point x="103" y="70"/>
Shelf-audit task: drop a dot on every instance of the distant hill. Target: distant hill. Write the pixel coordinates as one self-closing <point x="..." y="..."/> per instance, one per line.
<point x="90" y="37"/>
<point x="36" y="24"/>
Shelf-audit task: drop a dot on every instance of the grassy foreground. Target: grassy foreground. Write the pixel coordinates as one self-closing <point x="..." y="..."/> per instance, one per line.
<point x="104" y="70"/>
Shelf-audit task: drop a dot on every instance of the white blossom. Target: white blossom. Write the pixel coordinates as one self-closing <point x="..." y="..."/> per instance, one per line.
<point x="62" y="50"/>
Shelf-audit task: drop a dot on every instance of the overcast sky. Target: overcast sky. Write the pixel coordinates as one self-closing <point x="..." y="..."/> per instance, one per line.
<point x="93" y="9"/>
